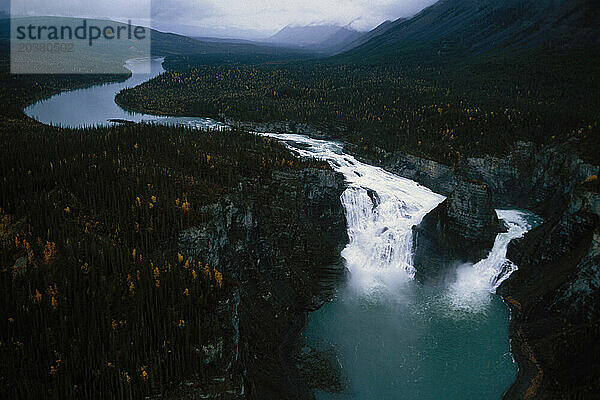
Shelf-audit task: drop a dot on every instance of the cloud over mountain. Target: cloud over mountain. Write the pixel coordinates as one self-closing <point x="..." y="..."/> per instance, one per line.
<point x="266" y="16"/>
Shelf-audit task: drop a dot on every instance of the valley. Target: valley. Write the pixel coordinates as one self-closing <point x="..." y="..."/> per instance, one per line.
<point x="411" y="211"/>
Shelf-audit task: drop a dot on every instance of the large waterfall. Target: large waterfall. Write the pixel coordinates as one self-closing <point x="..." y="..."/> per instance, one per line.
<point x="396" y="339"/>
<point x="381" y="209"/>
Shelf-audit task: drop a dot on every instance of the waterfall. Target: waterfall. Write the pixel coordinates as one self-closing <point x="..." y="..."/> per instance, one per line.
<point x="474" y="282"/>
<point x="381" y="209"/>
<point x="393" y="336"/>
<point x="496" y="268"/>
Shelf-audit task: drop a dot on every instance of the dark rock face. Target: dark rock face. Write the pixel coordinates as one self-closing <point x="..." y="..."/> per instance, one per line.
<point x="555" y="300"/>
<point x="281" y="242"/>
<point x="321" y="368"/>
<point x="461" y="229"/>
<point x="470" y="215"/>
<point x="555" y="295"/>
<point x="528" y="177"/>
<point x="537" y="179"/>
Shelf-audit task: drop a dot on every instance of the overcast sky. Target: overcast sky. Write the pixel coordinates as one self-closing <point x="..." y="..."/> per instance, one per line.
<point x="250" y="18"/>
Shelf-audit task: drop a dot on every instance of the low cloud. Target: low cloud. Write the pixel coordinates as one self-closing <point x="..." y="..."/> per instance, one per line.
<point x="265" y="16"/>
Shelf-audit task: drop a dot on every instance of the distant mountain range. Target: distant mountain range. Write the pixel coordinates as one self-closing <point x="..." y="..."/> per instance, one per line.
<point x="464" y="27"/>
<point x="447" y="28"/>
<point x="171" y="43"/>
<point x="164" y="43"/>
<point x="450" y="27"/>
<point x="326" y="38"/>
<point x="365" y="37"/>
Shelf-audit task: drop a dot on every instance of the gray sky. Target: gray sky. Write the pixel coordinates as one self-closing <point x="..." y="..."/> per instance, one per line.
<point x="248" y="18"/>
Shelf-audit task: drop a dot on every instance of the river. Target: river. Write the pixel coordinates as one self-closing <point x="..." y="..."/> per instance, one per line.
<point x="394" y="337"/>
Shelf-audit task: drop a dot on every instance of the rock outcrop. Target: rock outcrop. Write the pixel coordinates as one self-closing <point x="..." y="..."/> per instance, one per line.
<point x="530" y="177"/>
<point x="537" y="179"/>
<point x="281" y="242"/>
<point x="555" y="300"/>
<point x="460" y="229"/>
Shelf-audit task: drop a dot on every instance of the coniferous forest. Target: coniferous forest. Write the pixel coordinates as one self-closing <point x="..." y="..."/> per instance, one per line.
<point x="96" y="300"/>
<point x="440" y="107"/>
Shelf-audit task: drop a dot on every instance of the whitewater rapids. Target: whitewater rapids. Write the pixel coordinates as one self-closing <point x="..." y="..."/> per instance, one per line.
<point x="381" y="209"/>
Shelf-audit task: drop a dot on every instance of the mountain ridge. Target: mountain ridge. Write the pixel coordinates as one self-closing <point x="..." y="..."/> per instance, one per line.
<point x="467" y="27"/>
<point x="323" y="37"/>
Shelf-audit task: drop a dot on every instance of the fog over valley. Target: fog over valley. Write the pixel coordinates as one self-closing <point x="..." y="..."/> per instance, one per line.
<point x="250" y="19"/>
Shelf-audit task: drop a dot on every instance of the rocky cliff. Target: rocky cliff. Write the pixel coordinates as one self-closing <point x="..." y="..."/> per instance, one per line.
<point x="281" y="243"/>
<point x="460" y="229"/>
<point x="555" y="299"/>
<point x="531" y="177"/>
<point x="555" y="295"/>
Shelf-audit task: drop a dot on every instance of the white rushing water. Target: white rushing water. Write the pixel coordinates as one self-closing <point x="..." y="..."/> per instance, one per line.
<point x="381" y="209"/>
<point x="474" y="281"/>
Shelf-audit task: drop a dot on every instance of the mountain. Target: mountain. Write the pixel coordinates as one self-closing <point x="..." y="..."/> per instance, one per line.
<point x="465" y="27"/>
<point x="171" y="43"/>
<point x="340" y="39"/>
<point x="327" y="38"/>
<point x="112" y="55"/>
<point x="303" y="35"/>
<point x="212" y="32"/>
<point x="365" y="37"/>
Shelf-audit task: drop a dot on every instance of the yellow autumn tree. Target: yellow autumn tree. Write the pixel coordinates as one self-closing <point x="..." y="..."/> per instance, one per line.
<point x="218" y="277"/>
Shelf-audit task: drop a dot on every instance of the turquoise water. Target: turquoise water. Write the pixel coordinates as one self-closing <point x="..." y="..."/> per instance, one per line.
<point x="409" y="341"/>
<point x="413" y="343"/>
